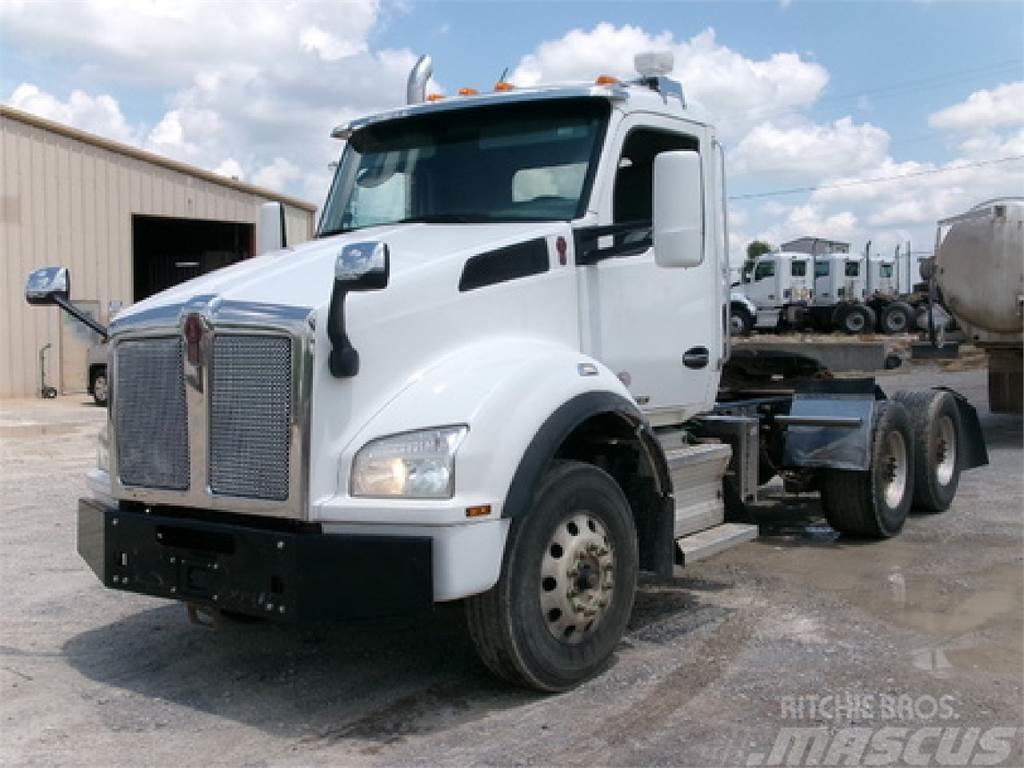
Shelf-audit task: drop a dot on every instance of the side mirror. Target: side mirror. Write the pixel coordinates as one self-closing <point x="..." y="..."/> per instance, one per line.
<point x="678" y="209"/>
<point x="272" y="230"/>
<point x="48" y="285"/>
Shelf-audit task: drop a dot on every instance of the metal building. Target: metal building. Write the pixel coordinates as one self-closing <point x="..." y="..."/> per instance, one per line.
<point x="815" y="246"/>
<point x="127" y="223"/>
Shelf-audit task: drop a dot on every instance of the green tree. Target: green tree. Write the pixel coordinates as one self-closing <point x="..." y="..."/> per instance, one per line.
<point x="754" y="249"/>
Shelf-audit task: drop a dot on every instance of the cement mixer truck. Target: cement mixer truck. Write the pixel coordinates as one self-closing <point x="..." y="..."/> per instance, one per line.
<point x="979" y="270"/>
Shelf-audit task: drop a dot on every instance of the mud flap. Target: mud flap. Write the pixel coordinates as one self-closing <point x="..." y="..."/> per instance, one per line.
<point x="973" y="451"/>
<point x="821" y="447"/>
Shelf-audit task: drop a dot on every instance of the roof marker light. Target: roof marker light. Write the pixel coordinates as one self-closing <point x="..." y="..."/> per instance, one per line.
<point x="503" y="85"/>
<point x="606" y="80"/>
<point x="434" y="97"/>
<point x="468" y="91"/>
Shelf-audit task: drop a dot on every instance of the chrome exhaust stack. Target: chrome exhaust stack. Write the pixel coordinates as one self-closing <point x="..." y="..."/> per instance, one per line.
<point x="416" y="87"/>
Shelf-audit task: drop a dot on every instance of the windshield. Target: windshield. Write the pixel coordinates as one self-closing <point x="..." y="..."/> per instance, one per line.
<point x="512" y="162"/>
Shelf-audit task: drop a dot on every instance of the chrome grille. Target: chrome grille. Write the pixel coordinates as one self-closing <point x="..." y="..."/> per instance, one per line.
<point x="250" y="416"/>
<point x="152" y="429"/>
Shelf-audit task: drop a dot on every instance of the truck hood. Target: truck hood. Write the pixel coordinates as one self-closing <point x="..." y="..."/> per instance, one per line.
<point x="303" y="276"/>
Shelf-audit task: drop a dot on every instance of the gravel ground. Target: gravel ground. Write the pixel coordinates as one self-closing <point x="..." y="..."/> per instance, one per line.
<point x="920" y="632"/>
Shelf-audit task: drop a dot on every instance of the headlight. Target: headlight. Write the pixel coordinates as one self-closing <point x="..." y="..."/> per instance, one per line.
<point x="415" y="465"/>
<point x="103" y="449"/>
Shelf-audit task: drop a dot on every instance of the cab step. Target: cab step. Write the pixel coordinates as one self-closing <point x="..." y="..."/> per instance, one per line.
<point x="702" y="544"/>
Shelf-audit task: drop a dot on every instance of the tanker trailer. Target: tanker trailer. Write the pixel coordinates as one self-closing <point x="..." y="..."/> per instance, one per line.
<point x="979" y="271"/>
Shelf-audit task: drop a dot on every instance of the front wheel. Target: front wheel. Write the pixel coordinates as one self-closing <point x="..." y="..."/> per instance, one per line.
<point x="854" y="319"/>
<point x="741" y="322"/>
<point x="896" y="318"/>
<point x="567" y="581"/>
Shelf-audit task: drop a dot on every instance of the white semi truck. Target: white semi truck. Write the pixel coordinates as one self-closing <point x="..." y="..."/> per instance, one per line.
<point x="493" y="377"/>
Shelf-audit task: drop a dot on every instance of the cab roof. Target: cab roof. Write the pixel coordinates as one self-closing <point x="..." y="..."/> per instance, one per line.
<point x="658" y="95"/>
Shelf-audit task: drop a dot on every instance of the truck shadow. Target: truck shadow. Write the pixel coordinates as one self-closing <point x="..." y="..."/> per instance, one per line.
<point x="373" y="682"/>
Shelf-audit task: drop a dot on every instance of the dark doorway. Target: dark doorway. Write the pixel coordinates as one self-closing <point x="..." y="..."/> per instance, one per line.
<point x="168" y="251"/>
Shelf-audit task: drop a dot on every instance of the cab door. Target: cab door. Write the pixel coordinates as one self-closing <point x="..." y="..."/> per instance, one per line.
<point x="659" y="329"/>
<point x="763" y="287"/>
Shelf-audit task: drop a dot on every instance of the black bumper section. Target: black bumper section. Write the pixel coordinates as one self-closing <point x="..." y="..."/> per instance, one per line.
<point x="296" y="577"/>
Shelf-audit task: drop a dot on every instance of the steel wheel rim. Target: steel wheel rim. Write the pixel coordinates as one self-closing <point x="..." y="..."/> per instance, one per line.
<point x="945" y="451"/>
<point x="855" y="322"/>
<point x="894" y="469"/>
<point x="99" y="387"/>
<point x="576" y="578"/>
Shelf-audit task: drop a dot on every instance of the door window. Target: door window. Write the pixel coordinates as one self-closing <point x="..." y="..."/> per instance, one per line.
<point x="633" y="196"/>
<point x="764" y="269"/>
<point x="798" y="268"/>
<point x="852" y="268"/>
<point x="821" y="269"/>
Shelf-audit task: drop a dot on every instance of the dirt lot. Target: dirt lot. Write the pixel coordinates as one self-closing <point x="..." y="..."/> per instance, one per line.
<point x="922" y="633"/>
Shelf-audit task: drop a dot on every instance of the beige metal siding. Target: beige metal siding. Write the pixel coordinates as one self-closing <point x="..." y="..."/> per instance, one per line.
<point x="66" y="200"/>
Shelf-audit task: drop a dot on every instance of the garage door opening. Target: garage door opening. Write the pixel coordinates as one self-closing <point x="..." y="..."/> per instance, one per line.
<point x="168" y="251"/>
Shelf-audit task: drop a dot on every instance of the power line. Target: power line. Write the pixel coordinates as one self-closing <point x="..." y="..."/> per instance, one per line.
<point x="771" y="111"/>
<point x="876" y="180"/>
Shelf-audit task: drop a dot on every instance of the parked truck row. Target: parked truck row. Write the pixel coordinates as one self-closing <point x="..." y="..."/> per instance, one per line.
<point x="501" y="374"/>
<point x="789" y="290"/>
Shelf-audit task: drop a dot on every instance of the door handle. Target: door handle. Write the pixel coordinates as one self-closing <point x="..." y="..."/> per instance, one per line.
<point x="696" y="357"/>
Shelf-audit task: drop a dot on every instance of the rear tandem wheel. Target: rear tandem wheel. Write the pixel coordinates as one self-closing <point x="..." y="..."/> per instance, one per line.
<point x="874" y="504"/>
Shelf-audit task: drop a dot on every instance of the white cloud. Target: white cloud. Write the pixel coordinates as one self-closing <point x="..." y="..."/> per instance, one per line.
<point x="277" y="175"/>
<point x="98" y="114"/>
<point x="810" y="149"/>
<point x="983" y="110"/>
<point x="736" y="91"/>
<point x="255" y="84"/>
<point x="230" y="168"/>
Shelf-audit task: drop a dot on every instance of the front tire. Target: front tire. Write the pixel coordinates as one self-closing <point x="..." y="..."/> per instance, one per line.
<point x="567" y="582"/>
<point x="741" y="322"/>
<point x="854" y="319"/>
<point x="874" y="504"/>
<point x="935" y="421"/>
<point x="896" y="318"/>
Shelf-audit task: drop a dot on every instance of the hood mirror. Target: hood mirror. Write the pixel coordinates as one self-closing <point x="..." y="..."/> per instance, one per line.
<point x="359" y="267"/>
<point x="363" y="266"/>
<point x="48" y="284"/>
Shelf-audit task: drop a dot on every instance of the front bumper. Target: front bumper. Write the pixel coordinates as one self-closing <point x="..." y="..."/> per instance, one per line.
<point x="293" y="574"/>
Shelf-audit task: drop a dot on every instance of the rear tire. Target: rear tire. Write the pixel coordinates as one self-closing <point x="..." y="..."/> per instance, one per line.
<point x="567" y="581"/>
<point x="874" y="504"/>
<point x="896" y="318"/>
<point x="935" y="423"/>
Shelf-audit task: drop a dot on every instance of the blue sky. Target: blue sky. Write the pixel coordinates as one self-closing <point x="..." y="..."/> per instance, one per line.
<point x="805" y="93"/>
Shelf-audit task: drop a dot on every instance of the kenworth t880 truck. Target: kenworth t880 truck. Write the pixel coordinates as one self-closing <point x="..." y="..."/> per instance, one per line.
<point x="493" y="377"/>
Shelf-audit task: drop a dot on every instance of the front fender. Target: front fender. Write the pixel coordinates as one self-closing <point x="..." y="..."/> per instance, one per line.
<point x="504" y="390"/>
<point x="735" y="297"/>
